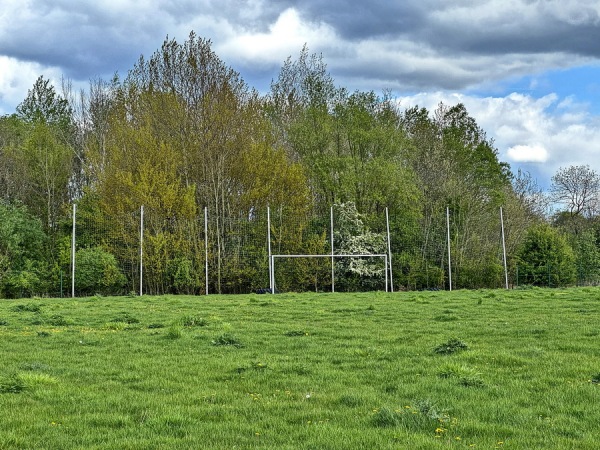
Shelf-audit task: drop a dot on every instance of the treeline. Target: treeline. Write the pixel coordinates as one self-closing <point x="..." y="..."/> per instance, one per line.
<point x="183" y="133"/>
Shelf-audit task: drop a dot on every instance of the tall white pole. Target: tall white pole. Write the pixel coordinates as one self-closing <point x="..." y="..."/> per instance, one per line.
<point x="332" y="253"/>
<point x="504" y="249"/>
<point x="141" y="250"/>
<point x="272" y="280"/>
<point x="386" y="273"/>
<point x="206" y="249"/>
<point x="389" y="243"/>
<point x="449" y="258"/>
<point x="271" y="287"/>
<point x="73" y="253"/>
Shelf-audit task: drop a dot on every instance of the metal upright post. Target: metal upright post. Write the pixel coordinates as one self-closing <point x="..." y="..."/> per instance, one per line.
<point x="389" y="243"/>
<point x="386" y="273"/>
<point x="271" y="287"/>
<point x="272" y="280"/>
<point x="141" y="250"/>
<point x="332" y="253"/>
<point x="73" y="253"/>
<point x="504" y="248"/>
<point x="206" y="249"/>
<point x="449" y="257"/>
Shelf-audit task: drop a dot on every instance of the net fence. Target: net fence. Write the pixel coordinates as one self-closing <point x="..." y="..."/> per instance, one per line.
<point x="216" y="253"/>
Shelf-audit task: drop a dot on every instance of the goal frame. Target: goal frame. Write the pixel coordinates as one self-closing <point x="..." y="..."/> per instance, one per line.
<point x="332" y="257"/>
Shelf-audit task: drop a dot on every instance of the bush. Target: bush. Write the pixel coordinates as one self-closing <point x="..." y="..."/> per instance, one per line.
<point x="22" y="245"/>
<point x="353" y="237"/>
<point x="182" y="275"/>
<point x="545" y="258"/>
<point x="413" y="272"/>
<point x="26" y="282"/>
<point x="486" y="273"/>
<point x="97" y="271"/>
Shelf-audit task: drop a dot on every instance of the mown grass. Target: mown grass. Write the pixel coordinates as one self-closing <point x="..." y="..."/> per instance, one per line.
<point x="422" y="370"/>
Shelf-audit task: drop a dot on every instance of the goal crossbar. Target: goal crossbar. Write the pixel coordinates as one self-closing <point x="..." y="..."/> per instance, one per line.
<point x="332" y="256"/>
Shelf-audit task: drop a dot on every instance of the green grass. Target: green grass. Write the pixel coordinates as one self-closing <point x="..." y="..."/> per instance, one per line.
<point x="417" y="370"/>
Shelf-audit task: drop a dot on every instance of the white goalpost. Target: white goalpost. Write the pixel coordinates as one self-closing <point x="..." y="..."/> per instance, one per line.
<point x="331" y="256"/>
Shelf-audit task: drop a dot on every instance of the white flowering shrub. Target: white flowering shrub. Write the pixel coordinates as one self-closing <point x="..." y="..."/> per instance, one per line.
<point x="352" y="236"/>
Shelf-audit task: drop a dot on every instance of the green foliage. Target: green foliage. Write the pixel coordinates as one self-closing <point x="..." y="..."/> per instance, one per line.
<point x="306" y="237"/>
<point x="582" y="234"/>
<point x="194" y="321"/>
<point x="174" y="332"/>
<point x="126" y="317"/>
<point x="296" y="333"/>
<point x="11" y="385"/>
<point x="45" y="155"/>
<point x="21" y="236"/>
<point x="44" y="104"/>
<point x="424" y="416"/>
<point x="451" y="346"/>
<point x="457" y="166"/>
<point x="26" y="282"/>
<point x="13" y="180"/>
<point x="22" y="244"/>
<point x="227" y="339"/>
<point x="385" y="417"/>
<point x="464" y="375"/>
<point x="48" y="163"/>
<point x="546" y="259"/>
<point x="28" y="307"/>
<point x="97" y="272"/>
<point x="181" y="272"/>
<point x="482" y="274"/>
<point x="183" y="131"/>
<point x="414" y="272"/>
<point x="587" y="257"/>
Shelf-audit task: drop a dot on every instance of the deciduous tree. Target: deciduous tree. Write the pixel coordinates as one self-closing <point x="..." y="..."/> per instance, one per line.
<point x="577" y="188"/>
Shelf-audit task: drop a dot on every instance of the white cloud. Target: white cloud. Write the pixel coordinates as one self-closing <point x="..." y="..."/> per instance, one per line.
<point x="285" y="37"/>
<point x="538" y="134"/>
<point x="17" y="77"/>
<point x="528" y="153"/>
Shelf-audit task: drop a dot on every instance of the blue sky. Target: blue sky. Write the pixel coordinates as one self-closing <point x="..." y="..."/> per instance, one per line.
<point x="582" y="83"/>
<point x="527" y="70"/>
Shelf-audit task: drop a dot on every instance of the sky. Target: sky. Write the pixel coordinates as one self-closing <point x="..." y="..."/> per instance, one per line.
<point x="528" y="71"/>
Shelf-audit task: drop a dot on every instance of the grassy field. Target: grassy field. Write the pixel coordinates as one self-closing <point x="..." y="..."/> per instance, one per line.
<point x="419" y="370"/>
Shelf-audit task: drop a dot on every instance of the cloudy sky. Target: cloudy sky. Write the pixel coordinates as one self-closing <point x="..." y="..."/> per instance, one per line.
<point x="527" y="70"/>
